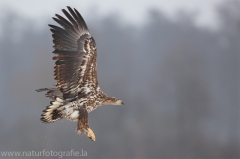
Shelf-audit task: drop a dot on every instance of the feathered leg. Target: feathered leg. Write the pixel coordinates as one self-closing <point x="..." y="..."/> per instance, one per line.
<point x="83" y="127"/>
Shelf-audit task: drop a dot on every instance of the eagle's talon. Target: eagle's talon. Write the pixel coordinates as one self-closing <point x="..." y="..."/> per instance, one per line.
<point x="91" y="134"/>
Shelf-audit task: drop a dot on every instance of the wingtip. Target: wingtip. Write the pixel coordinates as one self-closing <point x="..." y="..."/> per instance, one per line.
<point x="75" y="9"/>
<point x="57" y="15"/>
<point x="52" y="26"/>
<point x="55" y="19"/>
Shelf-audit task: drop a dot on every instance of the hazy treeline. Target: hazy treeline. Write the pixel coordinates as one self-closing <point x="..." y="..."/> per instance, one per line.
<point x="179" y="83"/>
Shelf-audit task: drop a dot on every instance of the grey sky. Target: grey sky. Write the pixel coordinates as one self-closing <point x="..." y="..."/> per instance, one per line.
<point x="132" y="11"/>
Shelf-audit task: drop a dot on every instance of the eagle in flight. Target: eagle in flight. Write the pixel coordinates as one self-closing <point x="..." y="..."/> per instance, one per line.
<point x="77" y="92"/>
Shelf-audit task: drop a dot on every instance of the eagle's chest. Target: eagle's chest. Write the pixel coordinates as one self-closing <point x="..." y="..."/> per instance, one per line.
<point x="90" y="103"/>
<point x="73" y="108"/>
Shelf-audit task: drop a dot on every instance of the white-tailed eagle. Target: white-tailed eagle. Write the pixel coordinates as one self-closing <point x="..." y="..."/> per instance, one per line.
<point x="77" y="92"/>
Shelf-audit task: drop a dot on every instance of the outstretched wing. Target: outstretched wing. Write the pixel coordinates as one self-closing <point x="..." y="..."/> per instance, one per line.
<point x="75" y="51"/>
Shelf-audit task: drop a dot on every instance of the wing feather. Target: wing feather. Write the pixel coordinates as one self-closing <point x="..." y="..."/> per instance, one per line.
<point x="75" y="51"/>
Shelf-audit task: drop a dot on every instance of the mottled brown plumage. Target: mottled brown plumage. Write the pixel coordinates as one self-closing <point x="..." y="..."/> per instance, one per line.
<point x="77" y="92"/>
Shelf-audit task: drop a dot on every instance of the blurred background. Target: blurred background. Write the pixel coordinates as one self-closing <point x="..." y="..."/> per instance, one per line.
<point x="175" y="64"/>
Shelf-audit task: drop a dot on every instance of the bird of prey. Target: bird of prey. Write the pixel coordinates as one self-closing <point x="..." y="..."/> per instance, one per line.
<point x="77" y="92"/>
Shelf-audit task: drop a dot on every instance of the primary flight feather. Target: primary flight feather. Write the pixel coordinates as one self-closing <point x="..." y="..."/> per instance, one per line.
<point x="77" y="92"/>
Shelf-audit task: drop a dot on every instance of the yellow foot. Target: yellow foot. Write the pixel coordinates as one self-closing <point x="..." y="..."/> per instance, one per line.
<point x="91" y="134"/>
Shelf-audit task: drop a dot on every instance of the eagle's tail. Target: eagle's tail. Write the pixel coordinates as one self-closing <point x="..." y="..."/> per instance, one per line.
<point x="52" y="93"/>
<point x="54" y="111"/>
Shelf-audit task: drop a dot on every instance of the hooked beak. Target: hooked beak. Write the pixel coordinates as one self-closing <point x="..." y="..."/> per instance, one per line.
<point x="119" y="102"/>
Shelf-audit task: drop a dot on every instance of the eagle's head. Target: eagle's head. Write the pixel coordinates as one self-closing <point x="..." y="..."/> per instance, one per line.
<point x="119" y="102"/>
<point x="113" y="101"/>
